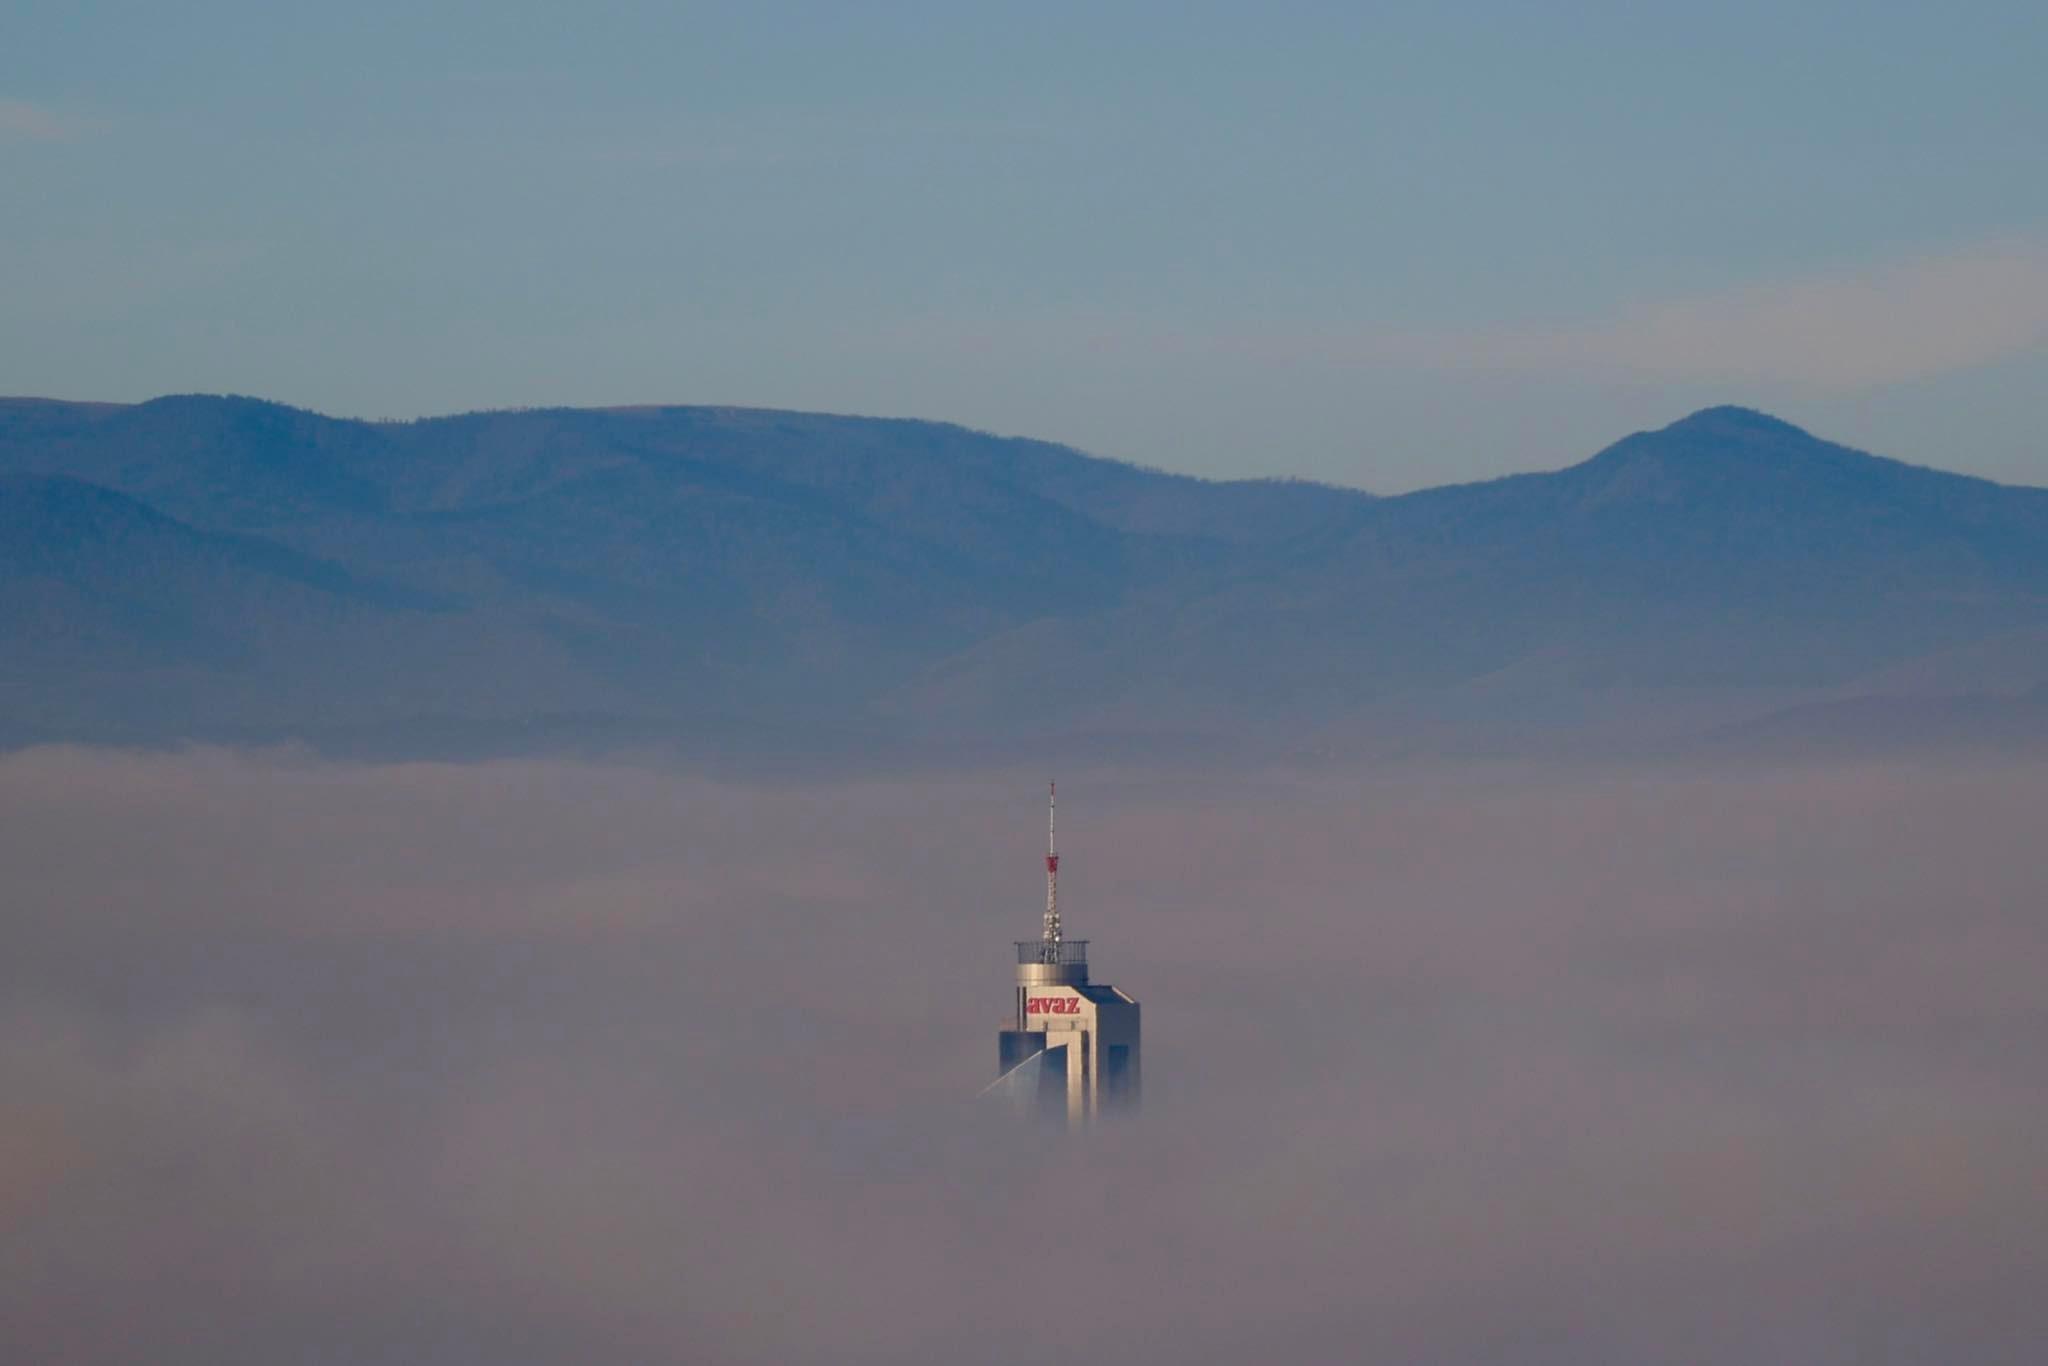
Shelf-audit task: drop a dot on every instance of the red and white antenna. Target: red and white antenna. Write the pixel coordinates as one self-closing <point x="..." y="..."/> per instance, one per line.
<point x="1052" y="865"/>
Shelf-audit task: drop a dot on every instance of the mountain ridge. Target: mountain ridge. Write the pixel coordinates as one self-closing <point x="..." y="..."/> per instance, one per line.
<point x="703" y="571"/>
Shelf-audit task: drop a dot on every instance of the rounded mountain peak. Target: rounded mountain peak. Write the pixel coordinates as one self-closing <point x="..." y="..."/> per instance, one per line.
<point x="1727" y="419"/>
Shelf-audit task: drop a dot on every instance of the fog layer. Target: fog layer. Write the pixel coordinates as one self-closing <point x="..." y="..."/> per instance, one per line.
<point x="552" y="1062"/>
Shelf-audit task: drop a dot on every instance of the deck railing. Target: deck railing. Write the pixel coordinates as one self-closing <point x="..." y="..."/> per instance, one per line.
<point x="1063" y="953"/>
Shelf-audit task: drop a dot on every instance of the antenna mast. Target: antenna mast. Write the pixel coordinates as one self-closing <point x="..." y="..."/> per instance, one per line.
<point x="1052" y="866"/>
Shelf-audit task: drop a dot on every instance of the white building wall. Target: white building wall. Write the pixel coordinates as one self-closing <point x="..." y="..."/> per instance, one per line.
<point x="1087" y="1029"/>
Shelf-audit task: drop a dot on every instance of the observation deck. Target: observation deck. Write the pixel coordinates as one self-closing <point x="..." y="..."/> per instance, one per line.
<point x="1053" y="953"/>
<point x="1048" y="963"/>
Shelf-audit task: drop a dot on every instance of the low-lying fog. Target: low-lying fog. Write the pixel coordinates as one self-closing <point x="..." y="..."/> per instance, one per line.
<point x="552" y="1062"/>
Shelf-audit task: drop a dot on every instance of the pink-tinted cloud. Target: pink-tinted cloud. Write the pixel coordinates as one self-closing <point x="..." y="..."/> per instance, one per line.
<point x="1843" y="329"/>
<point x="1829" y="331"/>
<point x="21" y="121"/>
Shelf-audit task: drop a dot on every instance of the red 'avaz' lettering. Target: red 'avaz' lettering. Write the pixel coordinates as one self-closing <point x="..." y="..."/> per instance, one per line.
<point x="1052" y="1005"/>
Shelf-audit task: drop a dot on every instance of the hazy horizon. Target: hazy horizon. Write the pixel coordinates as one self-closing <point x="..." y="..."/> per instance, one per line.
<point x="2039" y="478"/>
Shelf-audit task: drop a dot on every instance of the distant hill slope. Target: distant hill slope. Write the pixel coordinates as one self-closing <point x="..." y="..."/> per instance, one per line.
<point x="84" y="570"/>
<point x="119" y="620"/>
<point x="211" y="566"/>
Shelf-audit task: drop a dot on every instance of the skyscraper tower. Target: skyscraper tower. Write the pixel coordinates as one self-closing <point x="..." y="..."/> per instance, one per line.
<point x="1071" y="1048"/>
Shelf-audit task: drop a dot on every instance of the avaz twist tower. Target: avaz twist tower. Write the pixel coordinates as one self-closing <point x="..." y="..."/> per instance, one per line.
<point x="1071" y="1048"/>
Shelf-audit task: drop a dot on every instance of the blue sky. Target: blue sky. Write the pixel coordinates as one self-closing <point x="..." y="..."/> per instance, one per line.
<point x="1388" y="246"/>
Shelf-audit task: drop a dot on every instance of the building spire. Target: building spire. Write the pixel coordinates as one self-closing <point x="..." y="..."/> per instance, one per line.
<point x="1052" y="865"/>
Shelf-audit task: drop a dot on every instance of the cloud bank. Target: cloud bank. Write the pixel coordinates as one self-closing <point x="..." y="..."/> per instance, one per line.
<point x="542" y="1062"/>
